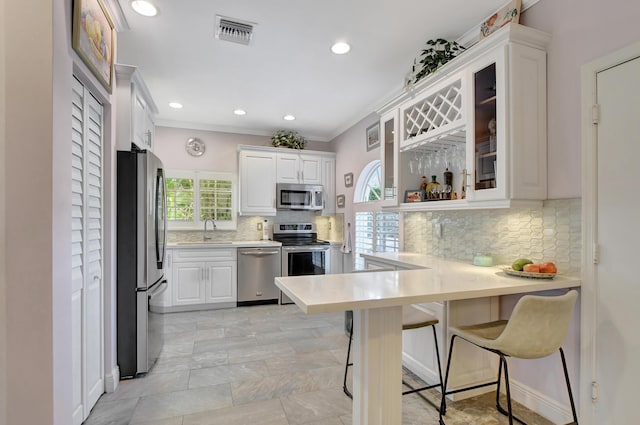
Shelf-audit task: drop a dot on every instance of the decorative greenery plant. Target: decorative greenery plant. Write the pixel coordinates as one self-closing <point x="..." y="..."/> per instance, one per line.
<point x="439" y="52"/>
<point x="287" y="138"/>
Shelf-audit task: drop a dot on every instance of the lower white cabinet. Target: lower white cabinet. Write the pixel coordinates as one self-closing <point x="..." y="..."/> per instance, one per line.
<point x="203" y="278"/>
<point x="471" y="365"/>
<point x="335" y="262"/>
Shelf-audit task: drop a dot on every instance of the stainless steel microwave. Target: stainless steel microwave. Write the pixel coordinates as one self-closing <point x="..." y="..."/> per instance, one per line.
<point x="299" y="196"/>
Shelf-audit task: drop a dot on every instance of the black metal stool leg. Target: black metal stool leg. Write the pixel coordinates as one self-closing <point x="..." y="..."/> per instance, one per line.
<point x="509" y="411"/>
<point x="443" y="404"/>
<point x="566" y="378"/>
<point x="346" y="366"/>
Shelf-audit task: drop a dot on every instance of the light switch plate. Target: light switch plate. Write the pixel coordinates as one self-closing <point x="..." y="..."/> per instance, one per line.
<point x="437" y="229"/>
<point x="259" y="226"/>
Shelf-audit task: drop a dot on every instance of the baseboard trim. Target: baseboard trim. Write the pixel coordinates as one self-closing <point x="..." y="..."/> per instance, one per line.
<point x="111" y="380"/>
<point x="540" y="403"/>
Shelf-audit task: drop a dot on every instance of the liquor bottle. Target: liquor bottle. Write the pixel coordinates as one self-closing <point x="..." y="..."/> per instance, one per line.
<point x="433" y="189"/>
<point x="448" y="184"/>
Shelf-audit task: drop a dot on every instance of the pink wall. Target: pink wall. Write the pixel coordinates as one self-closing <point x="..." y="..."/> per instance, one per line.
<point x="220" y="154"/>
<point x="582" y="30"/>
<point x="351" y="157"/>
<point x="3" y="264"/>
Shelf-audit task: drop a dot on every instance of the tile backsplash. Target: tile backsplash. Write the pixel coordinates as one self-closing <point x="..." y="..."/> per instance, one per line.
<point x="550" y="233"/>
<point x="329" y="228"/>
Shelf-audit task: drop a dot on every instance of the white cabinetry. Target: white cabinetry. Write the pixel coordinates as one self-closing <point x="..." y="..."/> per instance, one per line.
<point x="298" y="168"/>
<point x="204" y="278"/>
<point x="336" y="264"/>
<point x="257" y="182"/>
<point x="418" y="350"/>
<point x="135" y="109"/>
<point x="329" y="184"/>
<point x="261" y="167"/>
<point x="482" y="116"/>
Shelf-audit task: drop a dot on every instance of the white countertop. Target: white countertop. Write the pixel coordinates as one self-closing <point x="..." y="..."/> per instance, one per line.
<point x="224" y="244"/>
<point x="439" y="280"/>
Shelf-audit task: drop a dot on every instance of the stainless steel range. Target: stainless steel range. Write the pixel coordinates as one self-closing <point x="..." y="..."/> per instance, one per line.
<point x="302" y="252"/>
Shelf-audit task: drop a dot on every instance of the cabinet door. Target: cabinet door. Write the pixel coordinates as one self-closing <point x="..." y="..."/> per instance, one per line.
<point x="389" y="158"/>
<point x="329" y="185"/>
<point x="139" y="117"/>
<point x="486" y="133"/>
<point x="257" y="183"/>
<point x="336" y="260"/>
<point x="288" y="168"/>
<point x="188" y="283"/>
<point x="310" y="169"/>
<point x="221" y="282"/>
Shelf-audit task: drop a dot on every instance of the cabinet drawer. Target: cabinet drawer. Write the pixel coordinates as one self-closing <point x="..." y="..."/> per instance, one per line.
<point x="214" y="254"/>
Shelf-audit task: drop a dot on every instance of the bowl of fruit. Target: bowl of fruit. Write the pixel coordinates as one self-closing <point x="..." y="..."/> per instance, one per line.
<point x="523" y="267"/>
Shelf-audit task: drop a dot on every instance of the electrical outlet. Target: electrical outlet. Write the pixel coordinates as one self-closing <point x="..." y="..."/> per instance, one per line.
<point x="329" y="225"/>
<point x="259" y="226"/>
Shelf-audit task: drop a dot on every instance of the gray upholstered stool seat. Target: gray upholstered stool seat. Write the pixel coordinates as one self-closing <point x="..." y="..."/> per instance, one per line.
<point x="536" y="329"/>
<point x="412" y="318"/>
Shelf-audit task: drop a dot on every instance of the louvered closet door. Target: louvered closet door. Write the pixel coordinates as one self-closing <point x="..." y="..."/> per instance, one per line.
<point x="87" y="301"/>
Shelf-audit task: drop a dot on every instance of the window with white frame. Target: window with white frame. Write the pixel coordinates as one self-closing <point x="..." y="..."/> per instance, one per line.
<point x="194" y="196"/>
<point x="375" y="230"/>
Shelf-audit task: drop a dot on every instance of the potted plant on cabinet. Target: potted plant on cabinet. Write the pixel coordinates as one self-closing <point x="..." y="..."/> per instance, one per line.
<point x="439" y="52"/>
<point x="287" y="139"/>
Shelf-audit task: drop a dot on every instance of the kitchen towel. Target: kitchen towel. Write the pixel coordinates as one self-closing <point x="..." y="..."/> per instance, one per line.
<point x="346" y="245"/>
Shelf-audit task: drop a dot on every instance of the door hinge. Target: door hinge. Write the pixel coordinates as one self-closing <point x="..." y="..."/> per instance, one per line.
<point x="595" y="114"/>
<point x="594" y="391"/>
<point x="596" y="253"/>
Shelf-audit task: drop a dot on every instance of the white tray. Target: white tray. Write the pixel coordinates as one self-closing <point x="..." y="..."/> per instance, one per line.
<point x="511" y="272"/>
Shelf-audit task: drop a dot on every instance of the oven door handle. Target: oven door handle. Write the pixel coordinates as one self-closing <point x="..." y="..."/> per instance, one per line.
<point x="305" y="248"/>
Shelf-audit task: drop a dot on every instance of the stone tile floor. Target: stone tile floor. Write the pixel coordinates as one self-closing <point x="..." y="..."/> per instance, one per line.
<point x="263" y="365"/>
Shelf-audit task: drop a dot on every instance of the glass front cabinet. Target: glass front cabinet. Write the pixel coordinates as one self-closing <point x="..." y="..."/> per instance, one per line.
<point x="473" y="134"/>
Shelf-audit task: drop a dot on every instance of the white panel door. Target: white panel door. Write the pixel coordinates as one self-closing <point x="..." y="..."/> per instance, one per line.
<point x="87" y="269"/>
<point x="188" y="283"/>
<point x="221" y="282"/>
<point x="618" y="233"/>
<point x="77" y="244"/>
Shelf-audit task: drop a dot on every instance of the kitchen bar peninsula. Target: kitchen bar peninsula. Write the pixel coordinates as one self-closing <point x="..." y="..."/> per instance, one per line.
<point x="377" y="300"/>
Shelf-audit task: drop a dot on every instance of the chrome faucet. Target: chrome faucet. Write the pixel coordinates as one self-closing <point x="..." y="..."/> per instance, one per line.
<point x="204" y="234"/>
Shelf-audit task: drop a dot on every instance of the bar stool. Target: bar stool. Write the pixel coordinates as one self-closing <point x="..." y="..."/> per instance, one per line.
<point x="412" y="318"/>
<point x="536" y="329"/>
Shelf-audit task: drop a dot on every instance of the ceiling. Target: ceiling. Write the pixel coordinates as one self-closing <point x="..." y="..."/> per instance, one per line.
<point x="288" y="68"/>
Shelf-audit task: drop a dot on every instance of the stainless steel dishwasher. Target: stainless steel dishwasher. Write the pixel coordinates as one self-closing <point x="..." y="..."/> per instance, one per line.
<point x="257" y="269"/>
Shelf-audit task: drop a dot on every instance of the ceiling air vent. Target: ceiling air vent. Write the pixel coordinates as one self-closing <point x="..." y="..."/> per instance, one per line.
<point x="234" y="30"/>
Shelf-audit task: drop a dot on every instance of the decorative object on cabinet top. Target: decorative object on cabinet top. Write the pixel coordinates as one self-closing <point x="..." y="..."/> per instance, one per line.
<point x="439" y="52"/>
<point x="507" y="14"/>
<point x="195" y="146"/>
<point x="287" y="139"/>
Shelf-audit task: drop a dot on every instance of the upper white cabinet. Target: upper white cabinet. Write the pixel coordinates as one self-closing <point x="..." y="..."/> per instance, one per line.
<point x="260" y="168"/>
<point x="298" y="168"/>
<point x="257" y="171"/>
<point x="478" y="125"/>
<point x="329" y="184"/>
<point x="135" y="109"/>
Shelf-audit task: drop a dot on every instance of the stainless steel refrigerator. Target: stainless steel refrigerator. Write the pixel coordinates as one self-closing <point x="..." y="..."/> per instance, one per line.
<point x="141" y="241"/>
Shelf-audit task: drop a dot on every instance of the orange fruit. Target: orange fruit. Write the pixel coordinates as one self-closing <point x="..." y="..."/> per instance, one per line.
<point x="531" y="268"/>
<point x="548" y="267"/>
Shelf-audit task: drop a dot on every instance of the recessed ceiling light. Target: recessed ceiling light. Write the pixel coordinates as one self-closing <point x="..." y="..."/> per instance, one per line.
<point x="289" y="117"/>
<point x="240" y="112"/>
<point x="144" y="8"/>
<point x="340" y="48"/>
<point x="175" y="105"/>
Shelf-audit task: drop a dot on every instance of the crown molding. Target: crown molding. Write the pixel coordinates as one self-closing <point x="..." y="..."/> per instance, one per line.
<point x="117" y="15"/>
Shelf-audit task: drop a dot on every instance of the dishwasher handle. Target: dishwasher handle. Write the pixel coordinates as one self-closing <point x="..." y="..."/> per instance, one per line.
<point x="259" y="253"/>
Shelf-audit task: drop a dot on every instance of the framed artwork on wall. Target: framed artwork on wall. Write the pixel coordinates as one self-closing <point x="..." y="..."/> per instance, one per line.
<point x="373" y="136"/>
<point x="348" y="180"/>
<point x="340" y="201"/>
<point x="93" y="39"/>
